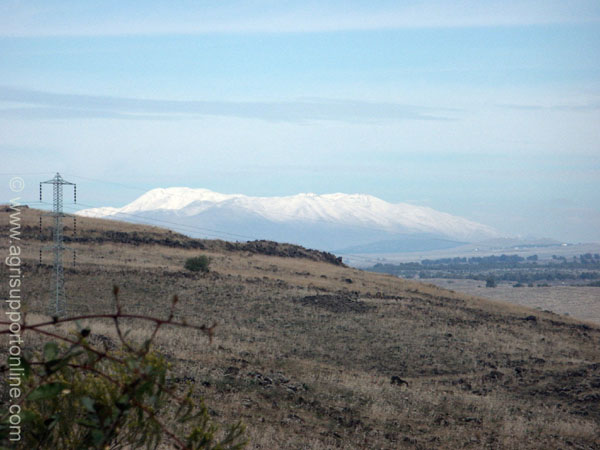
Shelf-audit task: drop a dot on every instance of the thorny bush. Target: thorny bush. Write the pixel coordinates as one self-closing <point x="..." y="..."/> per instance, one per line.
<point x="76" y="395"/>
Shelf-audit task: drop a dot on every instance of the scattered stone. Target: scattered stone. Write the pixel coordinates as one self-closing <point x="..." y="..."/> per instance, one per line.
<point x="338" y="303"/>
<point x="232" y="371"/>
<point x="182" y="380"/>
<point x="397" y="380"/>
<point x="494" y="375"/>
<point x="105" y="341"/>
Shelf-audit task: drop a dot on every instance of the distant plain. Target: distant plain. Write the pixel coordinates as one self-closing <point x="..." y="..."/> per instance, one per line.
<point x="580" y="302"/>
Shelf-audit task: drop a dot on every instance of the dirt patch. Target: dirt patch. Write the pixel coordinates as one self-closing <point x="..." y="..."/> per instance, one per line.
<point x="338" y="303"/>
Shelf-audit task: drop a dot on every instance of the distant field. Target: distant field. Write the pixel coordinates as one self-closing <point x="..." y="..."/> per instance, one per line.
<point x="580" y="302"/>
<point x="471" y="250"/>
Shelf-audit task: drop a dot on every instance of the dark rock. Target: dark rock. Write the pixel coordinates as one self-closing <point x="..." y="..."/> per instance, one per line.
<point x="397" y="380"/>
<point x="494" y="375"/>
<point x="335" y="302"/>
<point x="232" y="371"/>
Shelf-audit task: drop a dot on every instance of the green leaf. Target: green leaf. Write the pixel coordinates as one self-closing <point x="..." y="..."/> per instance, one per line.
<point x="123" y="402"/>
<point x="24" y="364"/>
<point x="92" y="357"/>
<point x="132" y="363"/>
<point x="86" y="423"/>
<point x="50" y="351"/>
<point x="144" y="388"/>
<point x="97" y="436"/>
<point x="56" y="364"/>
<point x="88" y="404"/>
<point x="46" y="391"/>
<point x="51" y="421"/>
<point x="29" y="416"/>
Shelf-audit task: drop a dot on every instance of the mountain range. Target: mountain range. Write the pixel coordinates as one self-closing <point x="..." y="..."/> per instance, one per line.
<point x="333" y="222"/>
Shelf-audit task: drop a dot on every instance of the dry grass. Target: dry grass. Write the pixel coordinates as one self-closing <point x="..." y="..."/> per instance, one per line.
<point x="317" y="375"/>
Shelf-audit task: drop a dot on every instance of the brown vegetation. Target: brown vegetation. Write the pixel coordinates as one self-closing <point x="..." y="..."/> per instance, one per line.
<point x="308" y="352"/>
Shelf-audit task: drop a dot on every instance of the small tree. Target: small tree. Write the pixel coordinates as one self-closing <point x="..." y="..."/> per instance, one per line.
<point x="490" y="282"/>
<point x="198" y="263"/>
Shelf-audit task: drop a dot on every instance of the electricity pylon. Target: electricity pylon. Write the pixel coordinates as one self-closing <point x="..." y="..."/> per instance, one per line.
<point x="58" y="300"/>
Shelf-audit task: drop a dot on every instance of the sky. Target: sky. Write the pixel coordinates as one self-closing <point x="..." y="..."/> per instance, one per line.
<point x="489" y="110"/>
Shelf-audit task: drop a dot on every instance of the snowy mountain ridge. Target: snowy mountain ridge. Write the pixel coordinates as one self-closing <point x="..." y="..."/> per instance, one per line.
<point x="357" y="211"/>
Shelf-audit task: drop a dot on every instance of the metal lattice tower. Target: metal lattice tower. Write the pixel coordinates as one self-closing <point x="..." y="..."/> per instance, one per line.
<point x="58" y="301"/>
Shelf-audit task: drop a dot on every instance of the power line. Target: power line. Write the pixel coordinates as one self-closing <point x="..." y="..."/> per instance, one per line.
<point x="185" y="228"/>
<point x="150" y="222"/>
<point x="137" y="188"/>
<point x="182" y="228"/>
<point x="220" y="233"/>
<point x="24" y="173"/>
<point x="364" y="227"/>
<point x="193" y="227"/>
<point x="215" y="234"/>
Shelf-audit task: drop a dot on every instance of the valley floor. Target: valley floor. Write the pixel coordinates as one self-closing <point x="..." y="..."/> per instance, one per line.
<point x="580" y="302"/>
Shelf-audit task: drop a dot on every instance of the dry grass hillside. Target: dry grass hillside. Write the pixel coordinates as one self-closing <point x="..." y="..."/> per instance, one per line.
<point x="312" y="354"/>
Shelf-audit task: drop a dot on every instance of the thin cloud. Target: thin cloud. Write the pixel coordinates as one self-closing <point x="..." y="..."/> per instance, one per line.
<point x="111" y="18"/>
<point x="586" y="107"/>
<point x="43" y="113"/>
<point x="35" y="104"/>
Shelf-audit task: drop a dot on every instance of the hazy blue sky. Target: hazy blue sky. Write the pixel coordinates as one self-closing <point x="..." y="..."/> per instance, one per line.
<point x="485" y="109"/>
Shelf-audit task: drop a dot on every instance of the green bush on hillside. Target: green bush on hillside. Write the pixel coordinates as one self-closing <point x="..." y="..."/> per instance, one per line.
<point x="198" y="263"/>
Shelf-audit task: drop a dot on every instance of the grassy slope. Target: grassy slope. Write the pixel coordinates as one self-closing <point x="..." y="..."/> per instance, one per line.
<point x="305" y="350"/>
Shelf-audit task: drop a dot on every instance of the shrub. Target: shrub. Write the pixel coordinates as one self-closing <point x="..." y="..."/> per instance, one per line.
<point x="490" y="282"/>
<point x="78" y="396"/>
<point x="198" y="263"/>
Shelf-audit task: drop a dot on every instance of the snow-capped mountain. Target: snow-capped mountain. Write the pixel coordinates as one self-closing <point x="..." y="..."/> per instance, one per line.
<point x="330" y="221"/>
